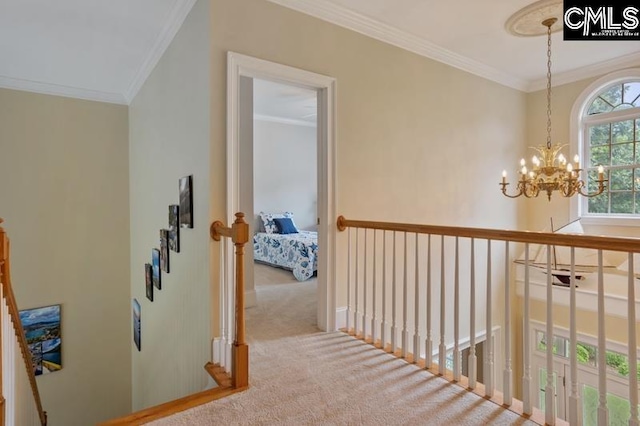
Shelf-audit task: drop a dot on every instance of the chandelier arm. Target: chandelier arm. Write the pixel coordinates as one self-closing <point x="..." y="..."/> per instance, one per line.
<point x="601" y="188"/>
<point x="504" y="191"/>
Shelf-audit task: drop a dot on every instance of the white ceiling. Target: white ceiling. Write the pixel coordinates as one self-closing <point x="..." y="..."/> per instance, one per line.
<point x="105" y="49"/>
<point x="285" y="104"/>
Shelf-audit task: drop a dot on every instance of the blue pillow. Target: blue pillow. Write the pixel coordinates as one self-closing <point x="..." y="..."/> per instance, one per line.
<point x="285" y="225"/>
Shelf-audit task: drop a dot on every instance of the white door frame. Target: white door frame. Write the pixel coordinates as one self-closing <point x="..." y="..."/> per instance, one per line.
<point x="239" y="65"/>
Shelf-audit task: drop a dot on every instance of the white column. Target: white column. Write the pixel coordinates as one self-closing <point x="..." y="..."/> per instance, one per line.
<point x="549" y="390"/>
<point x="603" y="411"/>
<point x="488" y="363"/>
<point x="416" y="308"/>
<point x="473" y="360"/>
<point x="394" y="327"/>
<point x="632" y="356"/>
<point x="405" y="301"/>
<point x="356" y="311"/>
<point x="456" y="316"/>
<point x="442" y="352"/>
<point x="365" y="284"/>
<point x="374" y="309"/>
<point x="428" y="343"/>
<point x="507" y="374"/>
<point x="383" y="324"/>
<point x="573" y="342"/>
<point x="526" y="339"/>
<point x="349" y="312"/>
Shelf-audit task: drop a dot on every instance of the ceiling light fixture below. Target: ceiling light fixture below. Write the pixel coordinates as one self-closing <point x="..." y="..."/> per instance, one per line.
<point x="550" y="170"/>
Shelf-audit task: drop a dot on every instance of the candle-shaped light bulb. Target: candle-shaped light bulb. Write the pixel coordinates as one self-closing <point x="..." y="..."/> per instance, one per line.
<point x="522" y="162"/>
<point x="531" y="175"/>
<point x="600" y="173"/>
<point x="576" y="160"/>
<point x="524" y="170"/>
<point x="569" y="167"/>
<point x="561" y="159"/>
<point x="504" y="177"/>
<point x="536" y="161"/>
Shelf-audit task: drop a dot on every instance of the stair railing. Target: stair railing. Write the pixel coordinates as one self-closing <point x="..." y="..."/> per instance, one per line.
<point x="234" y="327"/>
<point x="417" y="291"/>
<point x="19" y="396"/>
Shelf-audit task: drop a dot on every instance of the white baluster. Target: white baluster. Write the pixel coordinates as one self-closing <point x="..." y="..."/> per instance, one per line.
<point x="473" y="360"/>
<point x="356" y="311"/>
<point x="428" y="344"/>
<point x="394" y="328"/>
<point x="488" y="364"/>
<point x="549" y="390"/>
<point x="633" y="365"/>
<point x="603" y="411"/>
<point x="383" y="325"/>
<point x="349" y="312"/>
<point x="507" y="374"/>
<point x="405" y="302"/>
<point x="365" y="284"/>
<point x="456" y="316"/>
<point x="573" y="342"/>
<point x="442" y="352"/>
<point x="374" y="310"/>
<point x="416" y="309"/>
<point x="527" y="407"/>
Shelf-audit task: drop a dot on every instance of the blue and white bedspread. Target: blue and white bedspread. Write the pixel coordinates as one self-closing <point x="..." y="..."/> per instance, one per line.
<point x="297" y="252"/>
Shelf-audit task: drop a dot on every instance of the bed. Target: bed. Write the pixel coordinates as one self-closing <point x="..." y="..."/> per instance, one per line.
<point x="297" y="252"/>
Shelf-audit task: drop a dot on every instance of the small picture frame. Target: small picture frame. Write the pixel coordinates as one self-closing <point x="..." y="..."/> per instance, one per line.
<point x="148" y="274"/>
<point x="164" y="250"/>
<point x="137" y="329"/>
<point x="186" y="201"/>
<point x="42" y="328"/>
<point x="174" y="228"/>
<point x="155" y="263"/>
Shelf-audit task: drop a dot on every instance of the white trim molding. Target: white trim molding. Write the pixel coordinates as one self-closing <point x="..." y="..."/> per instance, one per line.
<point x="238" y="66"/>
<point x="169" y="31"/>
<point x="373" y="28"/>
<point x="60" y="90"/>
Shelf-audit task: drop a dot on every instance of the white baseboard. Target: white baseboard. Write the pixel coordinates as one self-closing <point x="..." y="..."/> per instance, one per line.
<point x="341" y="318"/>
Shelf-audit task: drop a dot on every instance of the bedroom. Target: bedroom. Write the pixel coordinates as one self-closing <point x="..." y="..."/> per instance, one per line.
<point x="285" y="185"/>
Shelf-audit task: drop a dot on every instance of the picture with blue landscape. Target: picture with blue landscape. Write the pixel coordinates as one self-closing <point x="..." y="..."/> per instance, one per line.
<point x="42" y="330"/>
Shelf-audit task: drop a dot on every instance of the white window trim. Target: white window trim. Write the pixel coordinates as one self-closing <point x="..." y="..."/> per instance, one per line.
<point x="576" y="132"/>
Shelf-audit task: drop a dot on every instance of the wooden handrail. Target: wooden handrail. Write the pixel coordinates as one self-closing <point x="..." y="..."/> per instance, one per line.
<point x="5" y="278"/>
<point x="533" y="237"/>
<point x="239" y="234"/>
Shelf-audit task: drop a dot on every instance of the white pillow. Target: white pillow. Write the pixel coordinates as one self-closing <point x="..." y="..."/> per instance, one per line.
<point x="267" y="220"/>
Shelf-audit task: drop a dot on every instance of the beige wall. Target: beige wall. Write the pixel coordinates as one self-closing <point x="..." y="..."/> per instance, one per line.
<point x="417" y="141"/>
<point x="64" y="195"/>
<point x="169" y="138"/>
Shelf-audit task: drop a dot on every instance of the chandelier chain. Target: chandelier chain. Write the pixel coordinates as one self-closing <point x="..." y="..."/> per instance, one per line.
<point x="549" y="86"/>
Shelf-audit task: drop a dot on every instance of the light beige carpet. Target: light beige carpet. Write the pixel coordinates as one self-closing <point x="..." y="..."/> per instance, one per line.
<point x="301" y="376"/>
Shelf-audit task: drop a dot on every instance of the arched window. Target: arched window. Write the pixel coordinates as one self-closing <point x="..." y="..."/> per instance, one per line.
<point x="608" y="126"/>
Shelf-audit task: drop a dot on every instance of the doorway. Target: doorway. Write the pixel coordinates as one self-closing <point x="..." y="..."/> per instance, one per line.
<point x="242" y="70"/>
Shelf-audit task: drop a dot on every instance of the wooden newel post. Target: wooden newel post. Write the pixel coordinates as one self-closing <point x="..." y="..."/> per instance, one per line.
<point x="240" y="373"/>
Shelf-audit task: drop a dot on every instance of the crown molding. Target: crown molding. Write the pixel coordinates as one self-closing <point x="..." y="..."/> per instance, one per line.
<point x="283" y="120"/>
<point x="595" y="70"/>
<point x="169" y="31"/>
<point x="61" y="90"/>
<point x="349" y="19"/>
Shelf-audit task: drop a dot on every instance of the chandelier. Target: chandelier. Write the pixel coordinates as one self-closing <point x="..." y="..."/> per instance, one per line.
<point x="550" y="170"/>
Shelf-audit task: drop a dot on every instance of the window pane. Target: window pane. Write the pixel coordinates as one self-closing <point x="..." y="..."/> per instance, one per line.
<point x="600" y="155"/>
<point x="598" y="106"/>
<point x="622" y="202"/>
<point x="622" y="180"/>
<point x="599" y="204"/>
<point x="622" y="154"/>
<point x="613" y="95"/>
<point x="638" y="129"/>
<point x="622" y="131"/>
<point x="623" y="106"/>
<point x="617" y="363"/>
<point x="586" y="354"/>
<point x="619" y="408"/>
<point x="599" y="135"/>
<point x="631" y="92"/>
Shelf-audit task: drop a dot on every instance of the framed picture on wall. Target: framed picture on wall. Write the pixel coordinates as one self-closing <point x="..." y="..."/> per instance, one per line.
<point x="186" y="202"/>
<point x="42" y="327"/>
<point x="148" y="274"/>
<point x="136" y="324"/>
<point x="174" y="228"/>
<point x="155" y="262"/>
<point x="164" y="250"/>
